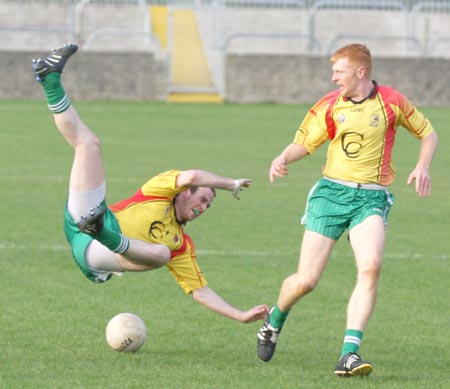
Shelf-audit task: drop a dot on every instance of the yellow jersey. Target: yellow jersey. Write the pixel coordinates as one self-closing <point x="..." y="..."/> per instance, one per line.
<point x="149" y="215"/>
<point x="361" y="134"/>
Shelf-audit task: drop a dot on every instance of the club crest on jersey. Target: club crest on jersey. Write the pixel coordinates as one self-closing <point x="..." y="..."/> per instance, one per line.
<point x="374" y="120"/>
<point x="341" y="118"/>
<point x="158" y="230"/>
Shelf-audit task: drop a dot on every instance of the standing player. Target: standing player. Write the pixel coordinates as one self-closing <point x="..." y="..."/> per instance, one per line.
<point x="145" y="231"/>
<point x="359" y="120"/>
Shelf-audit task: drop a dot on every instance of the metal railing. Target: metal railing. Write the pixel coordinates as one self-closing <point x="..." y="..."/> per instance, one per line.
<point x="413" y="42"/>
<point x="385" y="5"/>
<point x="145" y="31"/>
<point x="74" y="27"/>
<point x="435" y="5"/>
<point x="424" y="9"/>
<point x="220" y="69"/>
<point x="147" y="35"/>
<point x="410" y="16"/>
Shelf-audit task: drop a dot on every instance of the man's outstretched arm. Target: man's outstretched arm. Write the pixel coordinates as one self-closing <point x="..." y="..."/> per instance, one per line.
<point x="211" y="300"/>
<point x="204" y="178"/>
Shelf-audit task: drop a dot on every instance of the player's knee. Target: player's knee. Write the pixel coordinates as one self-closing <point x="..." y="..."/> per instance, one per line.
<point x="370" y="274"/>
<point x="305" y="287"/>
<point x="93" y="141"/>
<point x="88" y="144"/>
<point x="302" y="286"/>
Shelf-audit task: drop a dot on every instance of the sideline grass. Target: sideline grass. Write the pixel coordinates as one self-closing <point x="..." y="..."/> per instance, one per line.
<point x="53" y="319"/>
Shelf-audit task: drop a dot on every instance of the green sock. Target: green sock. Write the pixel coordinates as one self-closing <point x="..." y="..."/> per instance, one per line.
<point x="352" y="341"/>
<point x="57" y="100"/>
<point x="277" y="317"/>
<point x="115" y="241"/>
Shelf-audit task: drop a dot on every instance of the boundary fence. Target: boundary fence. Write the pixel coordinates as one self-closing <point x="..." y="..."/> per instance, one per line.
<point x="391" y="28"/>
<point x="401" y="27"/>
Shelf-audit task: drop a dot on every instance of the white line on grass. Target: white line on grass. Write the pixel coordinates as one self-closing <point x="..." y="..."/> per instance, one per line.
<point x="221" y="253"/>
<point x="41" y="178"/>
<point x="137" y="180"/>
<point x="51" y="247"/>
<point x="244" y="253"/>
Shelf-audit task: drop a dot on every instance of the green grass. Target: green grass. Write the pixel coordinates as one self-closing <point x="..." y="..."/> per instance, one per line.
<point x="53" y="319"/>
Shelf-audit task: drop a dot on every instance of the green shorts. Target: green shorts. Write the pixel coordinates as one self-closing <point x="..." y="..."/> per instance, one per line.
<point x="332" y="208"/>
<point x="79" y="241"/>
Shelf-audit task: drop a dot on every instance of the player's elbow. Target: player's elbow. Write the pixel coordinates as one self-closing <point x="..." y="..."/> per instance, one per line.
<point x="200" y="295"/>
<point x="187" y="178"/>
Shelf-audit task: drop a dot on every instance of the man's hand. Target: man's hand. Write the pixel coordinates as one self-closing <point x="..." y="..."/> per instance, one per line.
<point x="259" y="312"/>
<point x="278" y="168"/>
<point x="293" y="152"/>
<point x="423" y="181"/>
<point x="239" y="185"/>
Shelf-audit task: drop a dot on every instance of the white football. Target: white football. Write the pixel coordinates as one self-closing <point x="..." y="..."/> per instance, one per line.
<point x="126" y="332"/>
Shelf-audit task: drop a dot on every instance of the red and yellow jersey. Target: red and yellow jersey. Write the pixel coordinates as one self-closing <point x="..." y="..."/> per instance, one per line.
<point x="149" y="215"/>
<point x="361" y="134"/>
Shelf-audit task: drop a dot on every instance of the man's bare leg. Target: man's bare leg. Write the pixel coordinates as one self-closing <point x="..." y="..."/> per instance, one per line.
<point x="87" y="179"/>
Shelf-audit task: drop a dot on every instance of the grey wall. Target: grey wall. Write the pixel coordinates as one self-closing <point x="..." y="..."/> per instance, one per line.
<point x="248" y="77"/>
<point x="304" y="79"/>
<point x="90" y="76"/>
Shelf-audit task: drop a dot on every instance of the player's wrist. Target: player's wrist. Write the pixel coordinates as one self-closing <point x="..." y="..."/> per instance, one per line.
<point x="236" y="189"/>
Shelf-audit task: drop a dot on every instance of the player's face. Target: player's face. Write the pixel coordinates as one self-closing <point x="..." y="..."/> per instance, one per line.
<point x="345" y="76"/>
<point x="194" y="204"/>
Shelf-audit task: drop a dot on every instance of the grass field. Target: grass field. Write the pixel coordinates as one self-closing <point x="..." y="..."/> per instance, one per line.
<point x="53" y="319"/>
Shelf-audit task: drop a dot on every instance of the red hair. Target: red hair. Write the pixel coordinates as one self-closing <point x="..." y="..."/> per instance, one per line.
<point x="357" y="54"/>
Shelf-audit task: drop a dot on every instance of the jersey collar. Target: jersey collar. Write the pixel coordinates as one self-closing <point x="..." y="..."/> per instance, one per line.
<point x="371" y="95"/>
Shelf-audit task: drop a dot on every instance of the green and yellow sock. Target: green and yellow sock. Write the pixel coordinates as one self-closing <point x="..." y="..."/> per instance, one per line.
<point x="57" y="100"/>
<point x="277" y="317"/>
<point x="114" y="240"/>
<point x="352" y="341"/>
